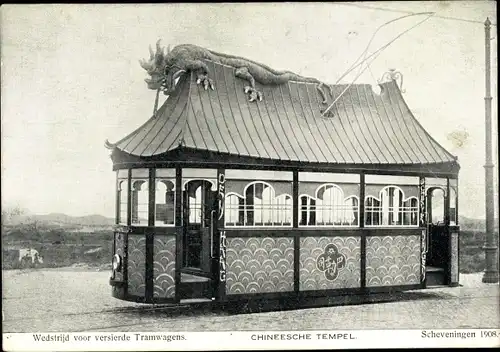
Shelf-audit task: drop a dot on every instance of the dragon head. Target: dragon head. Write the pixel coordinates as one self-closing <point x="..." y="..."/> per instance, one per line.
<point x="162" y="73"/>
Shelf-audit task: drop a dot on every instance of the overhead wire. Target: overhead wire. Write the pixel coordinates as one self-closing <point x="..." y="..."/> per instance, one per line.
<point x="375" y="54"/>
<point x="410" y="12"/>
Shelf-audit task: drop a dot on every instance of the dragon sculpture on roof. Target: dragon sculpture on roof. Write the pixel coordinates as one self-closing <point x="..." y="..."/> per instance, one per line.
<point x="165" y="66"/>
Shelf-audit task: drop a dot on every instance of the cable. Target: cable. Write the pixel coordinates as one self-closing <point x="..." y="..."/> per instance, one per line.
<point x="376" y="54"/>
<point x="373" y="36"/>
<point x="409" y="12"/>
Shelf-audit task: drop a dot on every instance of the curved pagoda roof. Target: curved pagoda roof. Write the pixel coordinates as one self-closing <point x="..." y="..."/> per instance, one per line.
<point x="364" y="129"/>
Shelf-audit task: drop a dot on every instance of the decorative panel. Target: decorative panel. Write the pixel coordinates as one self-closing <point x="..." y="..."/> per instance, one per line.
<point x="259" y="265"/>
<point x="311" y="188"/>
<point x="454" y="258"/>
<point x="392" y="180"/>
<point x="330" y="263"/>
<point x="392" y="260"/>
<point x="239" y="186"/>
<point x="164" y="266"/>
<point x="120" y="250"/>
<point x="324" y="177"/>
<point x="123" y="173"/>
<point x="408" y="190"/>
<point x="136" y="283"/>
<point x="255" y="175"/>
<point x="140" y="173"/>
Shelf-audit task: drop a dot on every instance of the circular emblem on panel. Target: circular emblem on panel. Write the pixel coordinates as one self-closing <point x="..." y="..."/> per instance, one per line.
<point x="331" y="262"/>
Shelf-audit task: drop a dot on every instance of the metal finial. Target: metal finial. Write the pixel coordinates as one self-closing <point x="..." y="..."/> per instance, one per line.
<point x="393" y="75"/>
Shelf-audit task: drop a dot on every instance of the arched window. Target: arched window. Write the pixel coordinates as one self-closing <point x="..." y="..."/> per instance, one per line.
<point x="392" y="209"/>
<point x="233" y="210"/>
<point x="258" y="207"/>
<point x="372" y="211"/>
<point x="307" y="211"/>
<point x="329" y="205"/>
<point x="437" y="196"/>
<point x="329" y="208"/>
<point x="196" y="205"/>
<point x="164" y="203"/>
<point x="410" y="212"/>
<point x="122" y="202"/>
<point x="453" y="206"/>
<point x="283" y="210"/>
<point x="350" y="211"/>
<point x="140" y="202"/>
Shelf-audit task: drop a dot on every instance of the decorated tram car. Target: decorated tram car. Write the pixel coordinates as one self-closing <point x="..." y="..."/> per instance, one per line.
<point x="234" y="193"/>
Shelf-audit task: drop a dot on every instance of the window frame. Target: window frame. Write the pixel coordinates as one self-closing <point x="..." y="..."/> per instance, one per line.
<point x="120" y="191"/>
<point x="405" y="210"/>
<point x="157" y="180"/>
<point x="133" y="180"/>
<point x="274" y="208"/>
<point x="333" y="209"/>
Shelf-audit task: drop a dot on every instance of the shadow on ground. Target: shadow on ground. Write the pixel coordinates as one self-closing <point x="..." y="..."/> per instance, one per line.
<point x="261" y="306"/>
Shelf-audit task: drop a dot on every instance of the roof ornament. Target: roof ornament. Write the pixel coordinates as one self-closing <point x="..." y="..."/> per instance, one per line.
<point x="165" y="66"/>
<point x="181" y="142"/>
<point x="108" y="144"/>
<point x="393" y="75"/>
<point x="155" y="109"/>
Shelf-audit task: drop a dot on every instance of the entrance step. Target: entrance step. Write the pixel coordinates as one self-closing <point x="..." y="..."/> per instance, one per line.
<point x="435" y="276"/>
<point x="195" y="289"/>
<point x="192" y="278"/>
<point x="195" y="300"/>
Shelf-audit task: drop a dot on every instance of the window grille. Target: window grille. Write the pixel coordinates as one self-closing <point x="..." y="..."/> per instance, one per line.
<point x="259" y="207"/>
<point x="196" y="206"/>
<point x="165" y="203"/>
<point x="453" y="206"/>
<point x="123" y="200"/>
<point x="140" y="202"/>
<point x="329" y="208"/>
<point x="392" y="209"/>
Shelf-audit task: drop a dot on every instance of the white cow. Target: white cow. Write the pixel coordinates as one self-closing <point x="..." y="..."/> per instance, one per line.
<point x="29" y="253"/>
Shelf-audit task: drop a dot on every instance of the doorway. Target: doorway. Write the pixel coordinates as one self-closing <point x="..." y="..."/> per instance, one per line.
<point x="438" y="252"/>
<point x="199" y="209"/>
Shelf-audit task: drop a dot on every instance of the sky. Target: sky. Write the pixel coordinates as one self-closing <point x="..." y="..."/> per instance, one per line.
<point x="70" y="79"/>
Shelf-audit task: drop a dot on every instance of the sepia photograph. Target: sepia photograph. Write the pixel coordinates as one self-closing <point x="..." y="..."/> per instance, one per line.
<point x="234" y="176"/>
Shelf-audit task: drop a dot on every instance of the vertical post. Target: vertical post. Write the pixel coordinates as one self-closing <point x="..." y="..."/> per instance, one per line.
<point x="129" y="198"/>
<point x="219" y="262"/>
<point x="361" y="219"/>
<point x="149" y="274"/>
<point x="422" y="222"/>
<point x="296" y="238"/>
<point x="447" y="232"/>
<point x="118" y="192"/>
<point x="179" y="231"/>
<point x="490" y="247"/>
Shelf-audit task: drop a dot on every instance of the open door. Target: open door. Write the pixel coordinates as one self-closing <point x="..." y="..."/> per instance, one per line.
<point x="199" y="209"/>
<point x="438" y="238"/>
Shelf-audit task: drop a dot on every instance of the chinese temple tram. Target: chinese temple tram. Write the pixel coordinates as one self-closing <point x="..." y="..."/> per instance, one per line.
<point x="223" y="199"/>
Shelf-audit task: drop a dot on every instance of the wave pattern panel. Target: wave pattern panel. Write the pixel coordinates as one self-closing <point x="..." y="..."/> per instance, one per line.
<point x="259" y="265"/>
<point x="164" y="266"/>
<point x="119" y="249"/>
<point x="346" y="271"/>
<point x="392" y="260"/>
<point x="136" y="284"/>
<point x="454" y="257"/>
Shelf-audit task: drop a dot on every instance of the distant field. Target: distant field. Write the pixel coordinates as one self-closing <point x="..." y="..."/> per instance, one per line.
<point x="59" y="249"/>
<point x="472" y="259"/>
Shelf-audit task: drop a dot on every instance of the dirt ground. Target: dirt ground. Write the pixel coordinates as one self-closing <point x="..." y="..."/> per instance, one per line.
<point x="78" y="299"/>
